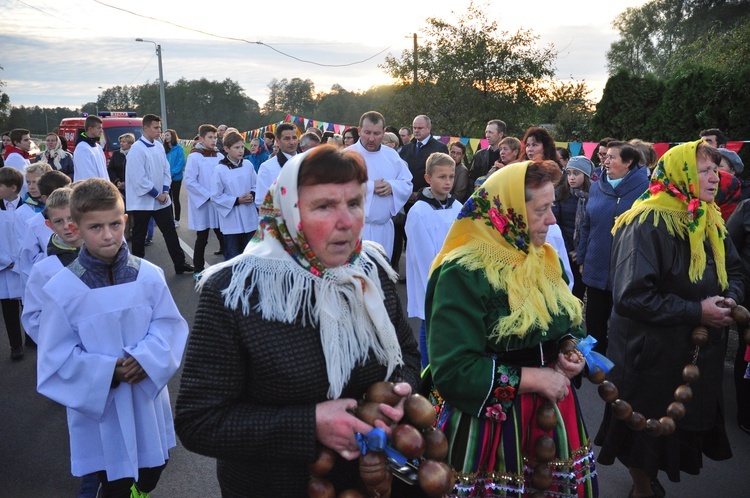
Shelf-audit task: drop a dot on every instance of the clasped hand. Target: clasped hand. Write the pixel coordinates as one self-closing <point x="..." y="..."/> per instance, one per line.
<point x="336" y="426"/>
<point x="716" y="311"/>
<point x="129" y="370"/>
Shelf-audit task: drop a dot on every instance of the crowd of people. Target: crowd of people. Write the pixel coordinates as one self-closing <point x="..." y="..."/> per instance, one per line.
<point x="304" y="315"/>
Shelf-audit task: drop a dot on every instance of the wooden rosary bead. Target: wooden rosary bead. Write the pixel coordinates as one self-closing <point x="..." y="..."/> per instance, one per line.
<point x="419" y="411"/>
<point x="436" y="444"/>
<point x="621" y="409"/>
<point x="636" y="421"/>
<point x="546" y="417"/>
<point x="608" y="391"/>
<point x="324" y="463"/>
<point x="541" y="478"/>
<point x="699" y="336"/>
<point x="372" y="468"/>
<point x="667" y="424"/>
<point x="435" y="478"/>
<point x="676" y="410"/>
<point x="351" y="493"/>
<point x="683" y="393"/>
<point x="691" y="373"/>
<point x="544" y="448"/>
<point x="408" y="441"/>
<point x="598" y="376"/>
<point x="741" y="315"/>
<point x="369" y="412"/>
<point x="653" y="427"/>
<point x="382" y="392"/>
<point x="320" y="488"/>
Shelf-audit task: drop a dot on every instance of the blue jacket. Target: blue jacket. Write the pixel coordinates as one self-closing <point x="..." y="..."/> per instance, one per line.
<point x="605" y="204"/>
<point x="259" y="157"/>
<point x="176" y="158"/>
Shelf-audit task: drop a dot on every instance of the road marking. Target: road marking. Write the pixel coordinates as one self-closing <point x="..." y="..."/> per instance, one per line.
<point x="189" y="250"/>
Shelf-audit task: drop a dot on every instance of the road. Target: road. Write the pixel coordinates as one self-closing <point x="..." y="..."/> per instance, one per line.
<point x="34" y="453"/>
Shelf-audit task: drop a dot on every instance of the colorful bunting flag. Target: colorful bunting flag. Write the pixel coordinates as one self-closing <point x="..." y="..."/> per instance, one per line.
<point x="575" y="148"/>
<point x="589" y="148"/>
<point x="660" y="148"/>
<point x="735" y="146"/>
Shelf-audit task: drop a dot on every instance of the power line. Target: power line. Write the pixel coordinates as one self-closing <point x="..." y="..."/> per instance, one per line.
<point x="237" y="39"/>
<point x="144" y="67"/>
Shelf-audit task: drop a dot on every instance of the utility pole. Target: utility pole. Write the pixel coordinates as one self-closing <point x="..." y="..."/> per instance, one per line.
<point x="415" y="59"/>
<point x="161" y="83"/>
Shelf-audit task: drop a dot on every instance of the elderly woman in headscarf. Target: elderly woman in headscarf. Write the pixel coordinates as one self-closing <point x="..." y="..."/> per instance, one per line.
<point x="674" y="268"/>
<point x="498" y="310"/>
<point x="289" y="334"/>
<point x="57" y="157"/>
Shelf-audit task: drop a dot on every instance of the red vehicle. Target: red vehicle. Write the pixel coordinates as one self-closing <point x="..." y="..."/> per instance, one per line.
<point x="114" y="124"/>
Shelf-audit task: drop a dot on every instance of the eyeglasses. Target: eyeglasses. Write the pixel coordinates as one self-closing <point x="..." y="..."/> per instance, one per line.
<point x="602" y="154"/>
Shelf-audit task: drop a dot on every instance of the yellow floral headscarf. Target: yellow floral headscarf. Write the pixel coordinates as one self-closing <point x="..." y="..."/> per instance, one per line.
<point x="672" y="197"/>
<point x="490" y="234"/>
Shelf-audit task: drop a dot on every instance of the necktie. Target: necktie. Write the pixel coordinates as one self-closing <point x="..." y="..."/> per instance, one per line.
<point x="419" y="147"/>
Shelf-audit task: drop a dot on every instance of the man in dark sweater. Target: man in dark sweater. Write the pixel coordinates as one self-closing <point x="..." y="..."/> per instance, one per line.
<point x="488" y="157"/>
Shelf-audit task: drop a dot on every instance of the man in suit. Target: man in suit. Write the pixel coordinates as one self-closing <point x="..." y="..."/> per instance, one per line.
<point x="416" y="152"/>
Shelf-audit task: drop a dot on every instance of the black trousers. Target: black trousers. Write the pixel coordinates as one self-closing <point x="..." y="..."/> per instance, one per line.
<point x="12" y="317"/>
<point x="147" y="480"/>
<point x="165" y="222"/>
<point x="598" y="309"/>
<point x="174" y="194"/>
<point x="199" y="250"/>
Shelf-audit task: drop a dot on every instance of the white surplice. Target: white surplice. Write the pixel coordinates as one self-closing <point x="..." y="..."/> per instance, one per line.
<point x="227" y="185"/>
<point x="385" y="164"/>
<point x="199" y="171"/>
<point x="82" y="333"/>
<point x="89" y="162"/>
<point x="426" y="229"/>
<point x="36" y="235"/>
<point x="33" y="297"/>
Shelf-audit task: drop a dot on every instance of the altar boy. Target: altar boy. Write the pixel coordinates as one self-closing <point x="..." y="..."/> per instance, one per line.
<point x="110" y="338"/>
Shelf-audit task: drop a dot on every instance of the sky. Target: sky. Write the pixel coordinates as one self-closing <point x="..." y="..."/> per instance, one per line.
<point x="65" y="53"/>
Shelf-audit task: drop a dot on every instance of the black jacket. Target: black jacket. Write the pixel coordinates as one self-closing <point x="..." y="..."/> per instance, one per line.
<point x="417" y="161"/>
<point x="249" y="389"/>
<point x="656" y="307"/>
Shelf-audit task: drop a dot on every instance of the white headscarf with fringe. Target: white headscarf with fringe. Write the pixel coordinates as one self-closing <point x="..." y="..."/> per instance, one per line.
<point x="345" y="303"/>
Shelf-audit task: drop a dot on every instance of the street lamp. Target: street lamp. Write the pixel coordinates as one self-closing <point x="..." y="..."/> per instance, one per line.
<point x="161" y="83"/>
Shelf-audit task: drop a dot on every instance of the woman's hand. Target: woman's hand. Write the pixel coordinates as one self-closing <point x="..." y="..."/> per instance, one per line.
<point x="395" y="413"/>
<point x="569" y="365"/>
<point x="713" y="312"/>
<point x="336" y="426"/>
<point x="544" y="381"/>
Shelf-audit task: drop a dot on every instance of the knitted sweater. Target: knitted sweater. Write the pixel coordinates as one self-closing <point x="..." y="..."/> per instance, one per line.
<point x="249" y="390"/>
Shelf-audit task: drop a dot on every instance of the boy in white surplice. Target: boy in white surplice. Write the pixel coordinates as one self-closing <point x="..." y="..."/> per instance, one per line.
<point x="110" y="338"/>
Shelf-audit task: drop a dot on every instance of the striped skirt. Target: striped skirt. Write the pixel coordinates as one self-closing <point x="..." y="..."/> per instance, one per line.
<point x="493" y="458"/>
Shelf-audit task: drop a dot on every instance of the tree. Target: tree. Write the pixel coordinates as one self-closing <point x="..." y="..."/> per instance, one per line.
<point x="652" y="35"/>
<point x="567" y="107"/>
<point x="469" y="71"/>
<point x="117" y="98"/>
<point x="4" y="106"/>
<point x="298" y="97"/>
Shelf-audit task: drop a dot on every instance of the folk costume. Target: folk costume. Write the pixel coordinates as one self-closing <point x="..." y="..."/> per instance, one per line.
<point x="276" y="333"/>
<point x="384" y="164"/>
<point x="670" y="252"/>
<point x="495" y="304"/>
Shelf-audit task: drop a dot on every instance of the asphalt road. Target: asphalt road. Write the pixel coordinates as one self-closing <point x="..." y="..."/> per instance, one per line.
<point x="34" y="453"/>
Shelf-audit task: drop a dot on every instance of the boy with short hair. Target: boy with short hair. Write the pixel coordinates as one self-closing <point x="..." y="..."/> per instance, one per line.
<point x="88" y="156"/>
<point x="427" y="225"/>
<point x="33" y="198"/>
<point x="202" y="216"/>
<point x="233" y="195"/>
<point x="110" y="338"/>
<point x="35" y="233"/>
<point x="11" y="181"/>
<point x="62" y="250"/>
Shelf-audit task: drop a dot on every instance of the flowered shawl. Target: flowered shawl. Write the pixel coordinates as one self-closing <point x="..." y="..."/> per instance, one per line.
<point x="491" y="235"/>
<point x="346" y="303"/>
<point x="672" y="197"/>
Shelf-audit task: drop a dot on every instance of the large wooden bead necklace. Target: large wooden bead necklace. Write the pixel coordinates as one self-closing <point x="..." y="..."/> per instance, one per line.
<point x="665" y="425"/>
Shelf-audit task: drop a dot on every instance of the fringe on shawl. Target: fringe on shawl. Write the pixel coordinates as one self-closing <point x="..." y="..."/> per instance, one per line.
<point x="335" y="303"/>
<point x="676" y="223"/>
<point x="534" y="296"/>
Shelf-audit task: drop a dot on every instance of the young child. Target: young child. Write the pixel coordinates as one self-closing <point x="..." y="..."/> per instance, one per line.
<point x="233" y="195"/>
<point x="11" y="181"/>
<point x="33" y="227"/>
<point x="202" y="215"/>
<point x="62" y="250"/>
<point x="427" y="225"/>
<point x="33" y="198"/>
<point x="110" y="338"/>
